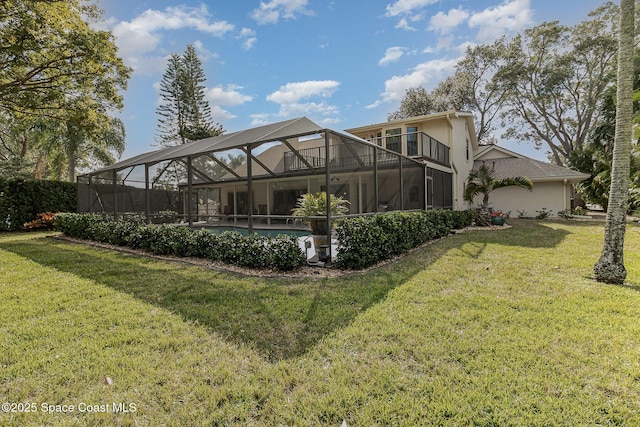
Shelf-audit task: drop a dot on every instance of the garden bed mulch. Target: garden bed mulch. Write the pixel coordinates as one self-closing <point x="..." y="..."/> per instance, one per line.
<point x="303" y="272"/>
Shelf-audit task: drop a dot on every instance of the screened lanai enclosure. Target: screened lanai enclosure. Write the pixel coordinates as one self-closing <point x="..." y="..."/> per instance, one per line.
<point x="253" y="179"/>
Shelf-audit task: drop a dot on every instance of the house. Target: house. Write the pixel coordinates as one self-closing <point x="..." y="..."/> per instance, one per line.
<point x="255" y="176"/>
<point x="446" y="142"/>
<point x="552" y="184"/>
<point x="552" y="188"/>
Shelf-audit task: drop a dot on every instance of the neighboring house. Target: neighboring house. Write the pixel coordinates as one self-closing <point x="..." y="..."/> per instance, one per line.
<point x="552" y="185"/>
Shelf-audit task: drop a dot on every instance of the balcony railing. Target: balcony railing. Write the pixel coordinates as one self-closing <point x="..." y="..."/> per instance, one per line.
<point x="416" y="144"/>
<point x="339" y="158"/>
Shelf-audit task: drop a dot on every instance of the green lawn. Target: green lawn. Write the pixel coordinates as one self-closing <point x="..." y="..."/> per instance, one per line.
<point x="482" y="328"/>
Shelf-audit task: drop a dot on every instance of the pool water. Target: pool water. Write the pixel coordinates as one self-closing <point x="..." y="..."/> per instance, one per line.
<point x="268" y="232"/>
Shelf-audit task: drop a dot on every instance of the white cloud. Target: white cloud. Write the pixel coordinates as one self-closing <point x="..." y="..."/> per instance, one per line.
<point x="143" y="33"/>
<point x="422" y="75"/>
<point x="307" y="108"/>
<point x="404" y="7"/>
<point x="220" y="114"/>
<point x="248" y="37"/>
<point x="510" y="16"/>
<point x="444" y="23"/>
<point x="292" y="97"/>
<point x="203" y="53"/>
<point x="403" y="24"/>
<point x="229" y="96"/>
<point x="260" y="119"/>
<point x="392" y="54"/>
<point x="294" y="92"/>
<point x="272" y="11"/>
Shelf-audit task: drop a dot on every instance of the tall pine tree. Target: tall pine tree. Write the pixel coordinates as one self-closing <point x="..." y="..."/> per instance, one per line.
<point x="185" y="114"/>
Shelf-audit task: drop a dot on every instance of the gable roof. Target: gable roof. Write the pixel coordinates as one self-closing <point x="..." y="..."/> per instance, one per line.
<point x="512" y="164"/>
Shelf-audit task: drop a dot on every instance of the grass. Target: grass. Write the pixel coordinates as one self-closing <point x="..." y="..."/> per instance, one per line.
<point x="483" y="328"/>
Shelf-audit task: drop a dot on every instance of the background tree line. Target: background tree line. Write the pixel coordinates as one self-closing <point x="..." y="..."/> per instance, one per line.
<point x="552" y="86"/>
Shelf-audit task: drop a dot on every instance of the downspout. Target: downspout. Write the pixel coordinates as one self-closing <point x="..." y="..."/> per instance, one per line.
<point x="564" y="194"/>
<point x="453" y="166"/>
<point x="455" y="187"/>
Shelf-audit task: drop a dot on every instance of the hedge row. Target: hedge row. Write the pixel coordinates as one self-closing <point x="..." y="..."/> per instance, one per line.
<point x="22" y="200"/>
<point x="364" y="241"/>
<point x="254" y="251"/>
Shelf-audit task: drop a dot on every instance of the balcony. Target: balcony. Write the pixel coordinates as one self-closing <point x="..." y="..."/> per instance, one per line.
<point x="339" y="159"/>
<point x="416" y="144"/>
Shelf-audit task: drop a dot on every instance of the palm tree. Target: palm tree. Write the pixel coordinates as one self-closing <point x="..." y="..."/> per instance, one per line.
<point x="483" y="181"/>
<point x="610" y="267"/>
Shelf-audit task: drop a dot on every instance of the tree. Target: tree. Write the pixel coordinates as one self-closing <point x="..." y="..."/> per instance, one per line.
<point x="49" y="54"/>
<point x="554" y="79"/>
<point x="59" y="79"/>
<point x="185" y="114"/>
<point x="610" y="267"/>
<point x="172" y="120"/>
<point x="596" y="157"/>
<point x="199" y="123"/>
<point x="471" y="88"/>
<point x="483" y="181"/>
<point x="479" y="70"/>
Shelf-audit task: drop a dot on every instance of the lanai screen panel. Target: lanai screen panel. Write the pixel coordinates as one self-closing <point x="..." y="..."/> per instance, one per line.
<point x="353" y="173"/>
<point x="413" y="185"/>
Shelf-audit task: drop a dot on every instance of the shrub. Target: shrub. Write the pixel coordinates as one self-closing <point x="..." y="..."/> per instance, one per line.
<point x="285" y="254"/>
<point x="281" y="252"/>
<point x="462" y="219"/>
<point x="43" y="221"/>
<point x="22" y="200"/>
<point x="365" y="241"/>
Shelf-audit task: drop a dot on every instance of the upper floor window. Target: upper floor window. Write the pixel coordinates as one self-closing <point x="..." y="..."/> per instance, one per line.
<point x="467" y="149"/>
<point x="412" y="141"/>
<point x="394" y="139"/>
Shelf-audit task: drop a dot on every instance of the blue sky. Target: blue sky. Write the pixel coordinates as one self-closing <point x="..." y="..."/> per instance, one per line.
<point x="343" y="63"/>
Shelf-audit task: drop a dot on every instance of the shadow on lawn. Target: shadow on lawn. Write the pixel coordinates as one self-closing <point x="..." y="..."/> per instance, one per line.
<point x="281" y="318"/>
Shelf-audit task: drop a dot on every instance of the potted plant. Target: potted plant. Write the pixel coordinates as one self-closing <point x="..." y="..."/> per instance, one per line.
<point x="498" y="218"/>
<point x="310" y="206"/>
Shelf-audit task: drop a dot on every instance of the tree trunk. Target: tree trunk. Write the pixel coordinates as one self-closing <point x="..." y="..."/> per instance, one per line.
<point x="71" y="167"/>
<point x="610" y="267"/>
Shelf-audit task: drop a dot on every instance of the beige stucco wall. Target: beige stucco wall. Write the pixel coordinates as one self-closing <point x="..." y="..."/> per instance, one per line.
<point x="461" y="163"/>
<point x="554" y="196"/>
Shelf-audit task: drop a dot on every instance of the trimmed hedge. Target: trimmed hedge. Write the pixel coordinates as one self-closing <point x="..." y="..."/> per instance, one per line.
<point x="281" y="252"/>
<point x="22" y="200"/>
<point x="364" y="241"/>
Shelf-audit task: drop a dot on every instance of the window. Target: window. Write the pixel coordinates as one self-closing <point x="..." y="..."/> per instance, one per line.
<point x="394" y="139"/>
<point x="412" y="141"/>
<point x="467" y="149"/>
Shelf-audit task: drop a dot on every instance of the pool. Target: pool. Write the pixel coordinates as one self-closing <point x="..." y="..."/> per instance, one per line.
<point x="268" y="232"/>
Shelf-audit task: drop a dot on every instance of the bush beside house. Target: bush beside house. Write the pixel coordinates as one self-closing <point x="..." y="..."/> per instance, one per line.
<point x="364" y="241"/>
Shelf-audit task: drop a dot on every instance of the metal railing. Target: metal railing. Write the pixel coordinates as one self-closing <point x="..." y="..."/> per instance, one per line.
<point x="416" y="144"/>
<point x="339" y="158"/>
